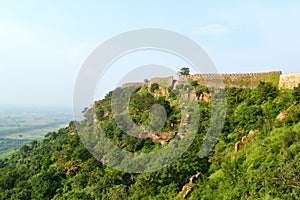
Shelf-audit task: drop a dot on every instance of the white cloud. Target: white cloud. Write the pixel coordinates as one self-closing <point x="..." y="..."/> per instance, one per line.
<point x="215" y="30"/>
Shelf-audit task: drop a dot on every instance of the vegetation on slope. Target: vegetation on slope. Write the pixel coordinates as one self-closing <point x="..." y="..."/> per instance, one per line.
<point x="265" y="167"/>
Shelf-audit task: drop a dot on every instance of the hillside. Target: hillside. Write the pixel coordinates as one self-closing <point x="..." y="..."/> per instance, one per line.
<point x="257" y="156"/>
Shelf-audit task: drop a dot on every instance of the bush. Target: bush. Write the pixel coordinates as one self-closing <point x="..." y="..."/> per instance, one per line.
<point x="154" y="86"/>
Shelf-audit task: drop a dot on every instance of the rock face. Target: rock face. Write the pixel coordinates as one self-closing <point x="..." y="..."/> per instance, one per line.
<point x="187" y="188"/>
<point x="194" y="178"/>
<point x="244" y="138"/>
<point x="237" y="146"/>
<point x="160" y="92"/>
<point x="280" y="116"/>
<point x="72" y="133"/>
<point x="206" y="97"/>
<point x="289" y="80"/>
<point x="251" y="132"/>
<point x="160" y="137"/>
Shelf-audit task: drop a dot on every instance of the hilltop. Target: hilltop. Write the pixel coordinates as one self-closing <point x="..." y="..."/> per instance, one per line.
<point x="244" y="80"/>
<point x="257" y="156"/>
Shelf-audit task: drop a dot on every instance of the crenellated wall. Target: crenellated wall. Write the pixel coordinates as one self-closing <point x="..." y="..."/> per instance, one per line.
<point x="245" y="80"/>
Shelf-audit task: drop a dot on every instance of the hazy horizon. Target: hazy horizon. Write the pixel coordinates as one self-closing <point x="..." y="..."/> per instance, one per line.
<point x="44" y="44"/>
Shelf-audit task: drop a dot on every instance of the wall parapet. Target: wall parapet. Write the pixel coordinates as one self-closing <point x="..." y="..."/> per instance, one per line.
<point x="165" y="81"/>
<point x="246" y="80"/>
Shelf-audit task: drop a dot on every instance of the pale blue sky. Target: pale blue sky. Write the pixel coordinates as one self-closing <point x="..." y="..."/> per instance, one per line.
<point x="44" y="43"/>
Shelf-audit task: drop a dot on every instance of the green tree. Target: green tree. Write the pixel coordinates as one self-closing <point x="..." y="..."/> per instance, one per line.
<point x="296" y="93"/>
<point x="194" y="83"/>
<point x="154" y="86"/>
<point x="264" y="92"/>
<point x="184" y="71"/>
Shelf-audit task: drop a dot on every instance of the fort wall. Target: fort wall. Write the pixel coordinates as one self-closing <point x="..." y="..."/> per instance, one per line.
<point x="289" y="80"/>
<point x="244" y="80"/>
<point x="137" y="84"/>
<point x="165" y="81"/>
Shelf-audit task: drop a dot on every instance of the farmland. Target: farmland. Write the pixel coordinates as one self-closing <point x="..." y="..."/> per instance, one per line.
<point x="20" y="126"/>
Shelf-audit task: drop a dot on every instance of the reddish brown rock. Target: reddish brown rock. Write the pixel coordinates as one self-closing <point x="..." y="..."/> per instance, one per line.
<point x="281" y="116"/>
<point x="237" y="146"/>
<point x="244" y="138"/>
<point x="251" y="132"/>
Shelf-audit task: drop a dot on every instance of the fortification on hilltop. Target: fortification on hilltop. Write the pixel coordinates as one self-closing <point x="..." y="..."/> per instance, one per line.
<point x="136" y="84"/>
<point x="168" y="81"/>
<point x="165" y="81"/>
<point x="289" y="80"/>
<point x="243" y="80"/>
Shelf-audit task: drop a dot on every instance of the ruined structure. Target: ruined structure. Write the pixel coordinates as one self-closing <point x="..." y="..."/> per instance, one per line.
<point x="165" y="81"/>
<point x="244" y="80"/>
<point x="132" y="85"/>
<point x="289" y="80"/>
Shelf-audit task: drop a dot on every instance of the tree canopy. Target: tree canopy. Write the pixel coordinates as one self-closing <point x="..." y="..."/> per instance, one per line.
<point x="265" y="166"/>
<point x="184" y="71"/>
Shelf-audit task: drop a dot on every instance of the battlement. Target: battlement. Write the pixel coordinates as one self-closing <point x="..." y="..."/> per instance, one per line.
<point x="232" y="75"/>
<point x="245" y="80"/>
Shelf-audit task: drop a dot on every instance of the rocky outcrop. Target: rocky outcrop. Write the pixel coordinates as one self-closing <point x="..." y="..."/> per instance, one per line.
<point x="251" y="132"/>
<point x="237" y="146"/>
<point x="188" y="188"/>
<point x="160" y="137"/>
<point x="244" y="138"/>
<point x="281" y="116"/>
<point x="72" y="133"/>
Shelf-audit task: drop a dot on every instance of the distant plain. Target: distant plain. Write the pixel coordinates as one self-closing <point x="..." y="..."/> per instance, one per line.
<point x="21" y="125"/>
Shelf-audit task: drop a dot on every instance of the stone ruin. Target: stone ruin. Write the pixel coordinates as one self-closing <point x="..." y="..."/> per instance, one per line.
<point x="244" y="80"/>
<point x="165" y="81"/>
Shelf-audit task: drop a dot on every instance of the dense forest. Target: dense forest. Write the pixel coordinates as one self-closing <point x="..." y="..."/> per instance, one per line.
<point x="257" y="156"/>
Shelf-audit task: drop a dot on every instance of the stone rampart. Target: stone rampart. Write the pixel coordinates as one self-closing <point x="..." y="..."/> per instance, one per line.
<point x="165" y="81"/>
<point x="137" y="84"/>
<point x="245" y="80"/>
<point x="289" y="80"/>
